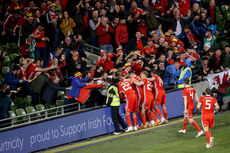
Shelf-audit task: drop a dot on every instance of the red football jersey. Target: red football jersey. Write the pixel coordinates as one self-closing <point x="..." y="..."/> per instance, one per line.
<point x="31" y="71"/>
<point x="189" y="92"/>
<point x="147" y="88"/>
<point x="158" y="83"/>
<point x="22" y="73"/>
<point x="208" y="103"/>
<point x="148" y="50"/>
<point x="138" y="89"/>
<point x="108" y="64"/>
<point x="126" y="89"/>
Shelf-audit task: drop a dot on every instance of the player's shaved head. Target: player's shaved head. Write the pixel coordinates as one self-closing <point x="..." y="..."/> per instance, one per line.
<point x="186" y="81"/>
<point x="208" y="91"/>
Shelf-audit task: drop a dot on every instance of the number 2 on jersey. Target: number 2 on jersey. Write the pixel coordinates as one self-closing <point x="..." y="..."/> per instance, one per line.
<point x="191" y="94"/>
<point x="208" y="104"/>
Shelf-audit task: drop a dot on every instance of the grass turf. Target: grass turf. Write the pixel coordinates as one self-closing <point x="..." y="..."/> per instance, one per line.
<point x="168" y="140"/>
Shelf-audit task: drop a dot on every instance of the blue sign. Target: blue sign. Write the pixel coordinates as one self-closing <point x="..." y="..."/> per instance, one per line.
<point x="72" y="128"/>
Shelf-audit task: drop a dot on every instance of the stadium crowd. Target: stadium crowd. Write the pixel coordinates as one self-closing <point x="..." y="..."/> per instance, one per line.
<point x="177" y="38"/>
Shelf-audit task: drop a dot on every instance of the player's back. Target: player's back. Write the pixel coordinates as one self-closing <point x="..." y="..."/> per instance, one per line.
<point x="189" y="92"/>
<point x="126" y="88"/>
<point x="208" y="103"/>
<point x="158" y="83"/>
<point x="147" y="88"/>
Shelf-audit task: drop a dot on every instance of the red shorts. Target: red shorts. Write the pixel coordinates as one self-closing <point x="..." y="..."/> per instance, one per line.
<point x="190" y="113"/>
<point x="208" y="121"/>
<point x="147" y="103"/>
<point x="160" y="97"/>
<point x="131" y="104"/>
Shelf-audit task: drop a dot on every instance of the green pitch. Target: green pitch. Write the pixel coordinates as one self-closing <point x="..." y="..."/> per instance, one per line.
<point x="168" y="140"/>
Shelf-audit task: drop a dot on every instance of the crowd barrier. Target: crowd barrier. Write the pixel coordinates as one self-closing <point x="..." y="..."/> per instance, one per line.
<point x="71" y="128"/>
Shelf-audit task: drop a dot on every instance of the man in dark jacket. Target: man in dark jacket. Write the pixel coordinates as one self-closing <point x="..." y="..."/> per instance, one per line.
<point x="5" y="104"/>
<point x="137" y="42"/>
<point x="50" y="92"/>
<point x="11" y="78"/>
<point x="36" y="87"/>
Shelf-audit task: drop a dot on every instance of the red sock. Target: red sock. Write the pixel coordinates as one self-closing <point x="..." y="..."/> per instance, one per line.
<point x="185" y="123"/>
<point x="128" y="119"/>
<point x="134" y="120"/>
<point x="158" y="111"/>
<point x="139" y="114"/>
<point x="153" y="115"/>
<point x="143" y="119"/>
<point x="196" y="126"/>
<point x="208" y="135"/>
<point x="165" y="113"/>
<point x="149" y="116"/>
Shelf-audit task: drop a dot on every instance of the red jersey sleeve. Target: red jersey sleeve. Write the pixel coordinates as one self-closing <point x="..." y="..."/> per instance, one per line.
<point x="184" y="92"/>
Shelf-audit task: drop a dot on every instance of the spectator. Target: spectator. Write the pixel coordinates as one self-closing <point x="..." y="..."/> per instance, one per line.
<point x="78" y="17"/>
<point x="10" y="24"/>
<point x="79" y="45"/>
<point x="77" y="83"/>
<point x="104" y="31"/>
<point x="93" y="25"/>
<point x="34" y="68"/>
<point x="68" y="46"/>
<point x="106" y="61"/>
<point x="73" y="61"/>
<point x="211" y="11"/>
<point x="67" y="25"/>
<point x="98" y="72"/>
<point x="209" y="37"/>
<point x="85" y="92"/>
<point x="226" y="58"/>
<point x="215" y="62"/>
<point x="28" y="28"/>
<point x="170" y="74"/>
<point x="57" y="71"/>
<point x="40" y="47"/>
<point x="5" y="104"/>
<point x="52" y="29"/>
<point x="51" y="89"/>
<point x="137" y="42"/>
<point x="205" y="68"/>
<point x="12" y="79"/>
<point x="121" y="33"/>
<point x="55" y="54"/>
<point x="28" y="48"/>
<point x="150" y="48"/>
<point x="150" y="19"/>
<point x="160" y="69"/>
<point x="36" y="86"/>
<point x="127" y="69"/>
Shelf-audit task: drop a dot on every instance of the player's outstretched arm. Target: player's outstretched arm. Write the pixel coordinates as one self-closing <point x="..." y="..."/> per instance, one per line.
<point x="151" y="79"/>
<point x="217" y="107"/>
<point x="198" y="106"/>
<point x="185" y="104"/>
<point x="138" y="83"/>
<point x="197" y="99"/>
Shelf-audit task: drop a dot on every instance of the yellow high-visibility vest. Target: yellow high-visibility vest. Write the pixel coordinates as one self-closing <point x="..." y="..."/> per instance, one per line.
<point x="182" y="75"/>
<point x="116" y="98"/>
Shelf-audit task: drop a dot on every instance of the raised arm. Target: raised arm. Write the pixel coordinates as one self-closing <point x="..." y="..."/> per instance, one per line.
<point x="138" y="83"/>
<point x="151" y="79"/>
